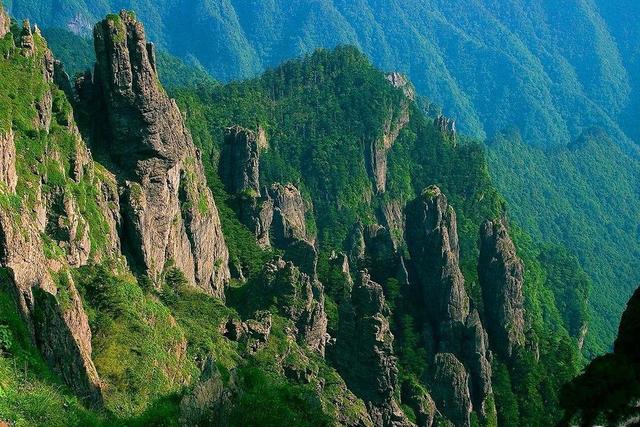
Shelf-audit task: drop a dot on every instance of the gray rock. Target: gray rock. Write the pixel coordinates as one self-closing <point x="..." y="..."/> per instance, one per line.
<point x="211" y="400"/>
<point x="289" y="215"/>
<point x="451" y="389"/>
<point x="258" y="331"/>
<point x="301" y="298"/>
<point x="432" y="238"/>
<point x="365" y="355"/>
<point x="169" y="213"/>
<point x="501" y="277"/>
<point x="8" y="175"/>
<point x="400" y="81"/>
<point x="377" y="149"/>
<point x="55" y="316"/>
<point x="446" y="126"/>
<point x="27" y="44"/>
<point x="240" y="161"/>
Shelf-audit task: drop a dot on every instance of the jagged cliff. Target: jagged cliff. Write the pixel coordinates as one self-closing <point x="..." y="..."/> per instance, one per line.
<point x="42" y="231"/>
<point x="501" y="278"/>
<point x="168" y="210"/>
<point x="354" y="299"/>
<point x="462" y="359"/>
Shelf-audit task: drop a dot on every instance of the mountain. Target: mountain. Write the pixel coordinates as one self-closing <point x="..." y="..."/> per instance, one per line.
<point x="304" y="246"/>
<point x="540" y="75"/>
<point x="555" y="70"/>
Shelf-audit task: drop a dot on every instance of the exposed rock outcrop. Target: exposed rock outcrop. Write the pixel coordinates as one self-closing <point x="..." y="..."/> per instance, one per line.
<point x="432" y="238"/>
<point x="54" y="315"/>
<point x="240" y="161"/>
<point x="5" y="22"/>
<point x="421" y="402"/>
<point x="301" y="298"/>
<point x="446" y="126"/>
<point x="453" y="326"/>
<point x="289" y="215"/>
<point x="169" y="215"/>
<point x="66" y="226"/>
<point x="378" y="148"/>
<point x="501" y="277"/>
<point x="451" y="389"/>
<point x="211" y="400"/>
<point x="365" y="355"/>
<point x="8" y="175"/>
<point x="401" y="81"/>
<point x="27" y="43"/>
<point x="258" y="331"/>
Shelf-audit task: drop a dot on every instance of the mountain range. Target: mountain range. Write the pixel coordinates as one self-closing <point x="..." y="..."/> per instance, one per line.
<point x="306" y="246"/>
<point x="552" y="87"/>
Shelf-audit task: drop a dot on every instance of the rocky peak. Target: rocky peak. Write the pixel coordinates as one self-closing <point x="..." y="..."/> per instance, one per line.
<point x="169" y="215"/>
<point x="461" y="349"/>
<point x="240" y="161"/>
<point x="501" y="277"/>
<point x="400" y="81"/>
<point x="446" y="126"/>
<point x="378" y="148"/>
<point x="450" y="386"/>
<point x="365" y="353"/>
<point x="432" y="238"/>
<point x="289" y="215"/>
<point x="301" y="297"/>
<point x="27" y="42"/>
<point x="146" y="126"/>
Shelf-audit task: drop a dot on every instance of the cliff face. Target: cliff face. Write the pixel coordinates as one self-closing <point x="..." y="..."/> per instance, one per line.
<point x="365" y="354"/>
<point x="5" y="22"/>
<point x="169" y="212"/>
<point x="462" y="358"/>
<point x="501" y="276"/>
<point x="378" y="149"/>
<point x="240" y="161"/>
<point x="433" y="243"/>
<point x="302" y="300"/>
<point x="40" y="236"/>
<point x="8" y="161"/>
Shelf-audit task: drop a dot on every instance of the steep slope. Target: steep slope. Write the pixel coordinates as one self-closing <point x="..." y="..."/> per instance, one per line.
<point x="449" y="50"/>
<point x="318" y="123"/>
<point x="335" y="280"/>
<point x="550" y="71"/>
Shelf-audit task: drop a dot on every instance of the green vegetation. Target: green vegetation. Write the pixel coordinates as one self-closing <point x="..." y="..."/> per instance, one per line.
<point x="549" y="75"/>
<point x="584" y="197"/>
<point x="319" y="112"/>
<point x="152" y="343"/>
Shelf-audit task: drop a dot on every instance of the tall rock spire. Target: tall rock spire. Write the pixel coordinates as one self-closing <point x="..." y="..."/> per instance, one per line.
<point x="170" y="215"/>
<point x="461" y="355"/>
<point x="501" y="277"/>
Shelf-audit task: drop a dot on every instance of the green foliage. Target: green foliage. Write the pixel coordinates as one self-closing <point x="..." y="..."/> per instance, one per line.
<point x="607" y="391"/>
<point x="267" y="401"/>
<point x="138" y="349"/>
<point x="584" y="198"/>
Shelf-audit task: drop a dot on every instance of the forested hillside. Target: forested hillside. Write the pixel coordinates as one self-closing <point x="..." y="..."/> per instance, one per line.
<point x="546" y="71"/>
<point x="304" y="246"/>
